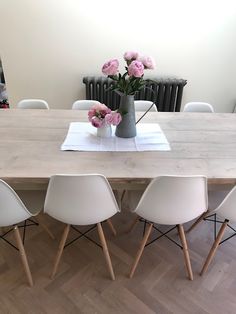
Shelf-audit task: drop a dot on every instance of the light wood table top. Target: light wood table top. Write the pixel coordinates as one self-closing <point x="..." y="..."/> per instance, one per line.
<point x="201" y="144"/>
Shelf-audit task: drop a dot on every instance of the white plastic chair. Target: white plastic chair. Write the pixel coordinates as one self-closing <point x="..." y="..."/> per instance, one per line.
<point x="225" y="210"/>
<point x="171" y="200"/>
<point x="33" y="104"/>
<point x="84" y="104"/>
<point x="144" y="105"/>
<point x="198" y="107"/>
<point x="13" y="211"/>
<point x="81" y="200"/>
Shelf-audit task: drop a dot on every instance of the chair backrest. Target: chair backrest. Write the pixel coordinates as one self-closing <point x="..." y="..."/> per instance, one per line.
<point x="144" y="105"/>
<point x="227" y="208"/>
<point x="198" y="107"/>
<point x="33" y="104"/>
<point x="172" y="200"/>
<point x="80" y="199"/>
<point x="12" y="210"/>
<point x="84" y="104"/>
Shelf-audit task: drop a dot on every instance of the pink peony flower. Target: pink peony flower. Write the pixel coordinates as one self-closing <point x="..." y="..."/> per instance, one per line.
<point x="131" y="55"/>
<point x="109" y="118"/>
<point x="116" y="118"/>
<point x="110" y="67"/>
<point x="101" y="107"/>
<point x="103" y="113"/>
<point x="97" y="123"/>
<point x="113" y="118"/>
<point x="91" y="114"/>
<point x="148" y="62"/>
<point x="136" y="69"/>
<point x="98" y="110"/>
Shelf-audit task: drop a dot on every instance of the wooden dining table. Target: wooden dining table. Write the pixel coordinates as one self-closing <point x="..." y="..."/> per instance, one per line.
<point x="30" y="141"/>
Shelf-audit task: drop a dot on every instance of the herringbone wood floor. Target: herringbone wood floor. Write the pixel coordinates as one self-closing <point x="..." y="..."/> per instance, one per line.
<point x="83" y="285"/>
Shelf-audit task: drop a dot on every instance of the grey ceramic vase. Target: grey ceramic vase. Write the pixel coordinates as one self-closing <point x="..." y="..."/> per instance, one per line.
<point x="127" y="127"/>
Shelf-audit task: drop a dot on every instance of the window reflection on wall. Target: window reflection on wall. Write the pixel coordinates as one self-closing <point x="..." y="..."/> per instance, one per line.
<point x="3" y="92"/>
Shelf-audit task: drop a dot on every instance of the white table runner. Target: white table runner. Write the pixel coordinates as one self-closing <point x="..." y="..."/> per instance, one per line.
<point x="82" y="136"/>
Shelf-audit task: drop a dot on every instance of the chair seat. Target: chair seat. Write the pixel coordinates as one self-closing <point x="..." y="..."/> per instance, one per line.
<point x="144" y="105"/>
<point x="198" y="107"/>
<point x="32" y="104"/>
<point x="84" y="104"/>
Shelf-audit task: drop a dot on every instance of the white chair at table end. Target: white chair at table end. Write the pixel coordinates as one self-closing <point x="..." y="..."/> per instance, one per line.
<point x="198" y="107"/>
<point x="84" y="104"/>
<point x="32" y="104"/>
<point x="226" y="211"/>
<point x="13" y="211"/>
<point x="144" y="105"/>
<point x="81" y="200"/>
<point x="172" y="200"/>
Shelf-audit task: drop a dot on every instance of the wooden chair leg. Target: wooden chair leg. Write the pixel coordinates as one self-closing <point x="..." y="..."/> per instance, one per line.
<point x="185" y="251"/>
<point x="133" y="224"/>
<point x="60" y="250"/>
<point x="214" y="247"/>
<point x="122" y="196"/>
<point x="43" y="225"/>
<point x="205" y="214"/>
<point x="23" y="256"/>
<point x="105" y="250"/>
<point x="140" y="251"/>
<point x="110" y="224"/>
<point x="118" y="195"/>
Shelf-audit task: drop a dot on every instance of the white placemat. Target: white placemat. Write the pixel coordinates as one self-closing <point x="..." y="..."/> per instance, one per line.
<point x="82" y="136"/>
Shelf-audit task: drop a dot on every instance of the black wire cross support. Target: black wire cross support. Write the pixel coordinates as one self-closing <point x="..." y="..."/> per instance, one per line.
<point x="208" y="218"/>
<point x="2" y="236"/>
<point x="83" y="234"/>
<point x="27" y="223"/>
<point x="163" y="234"/>
<point x="215" y="220"/>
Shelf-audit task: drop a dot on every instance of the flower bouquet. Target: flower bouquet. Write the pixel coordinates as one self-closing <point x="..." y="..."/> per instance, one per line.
<point x="101" y="117"/>
<point x="126" y="85"/>
<point x="132" y="80"/>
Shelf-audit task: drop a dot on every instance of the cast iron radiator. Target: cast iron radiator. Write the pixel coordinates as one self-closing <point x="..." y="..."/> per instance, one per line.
<point x="165" y="92"/>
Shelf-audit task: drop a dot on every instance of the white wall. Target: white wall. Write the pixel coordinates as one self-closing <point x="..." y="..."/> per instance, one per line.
<point x="47" y="46"/>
